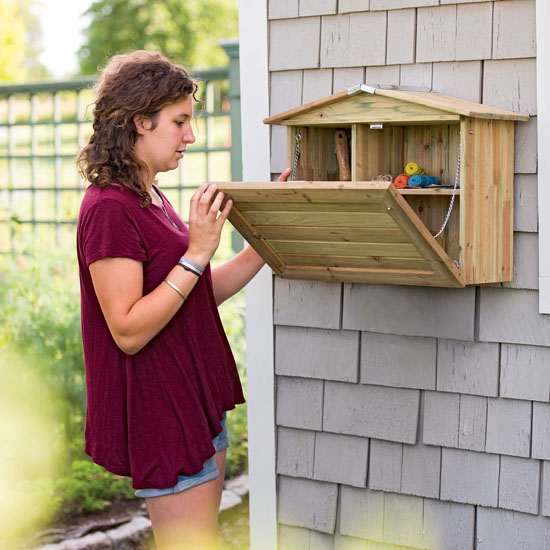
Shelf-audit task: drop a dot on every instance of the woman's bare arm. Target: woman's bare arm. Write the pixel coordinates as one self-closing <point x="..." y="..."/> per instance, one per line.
<point x="229" y="278"/>
<point x="134" y="319"/>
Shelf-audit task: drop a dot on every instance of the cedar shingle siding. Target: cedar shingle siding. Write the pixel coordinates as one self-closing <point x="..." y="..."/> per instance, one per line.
<point x="413" y="417"/>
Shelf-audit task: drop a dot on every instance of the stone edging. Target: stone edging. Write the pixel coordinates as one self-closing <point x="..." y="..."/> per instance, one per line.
<point x="123" y="537"/>
<point x="126" y="536"/>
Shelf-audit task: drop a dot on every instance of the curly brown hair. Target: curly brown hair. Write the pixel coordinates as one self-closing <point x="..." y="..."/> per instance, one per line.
<point x="138" y="83"/>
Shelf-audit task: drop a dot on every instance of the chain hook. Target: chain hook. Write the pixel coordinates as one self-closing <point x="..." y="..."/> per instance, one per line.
<point x="296" y="157"/>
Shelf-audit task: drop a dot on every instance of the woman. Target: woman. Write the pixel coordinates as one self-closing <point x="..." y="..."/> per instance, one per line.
<point x="159" y="371"/>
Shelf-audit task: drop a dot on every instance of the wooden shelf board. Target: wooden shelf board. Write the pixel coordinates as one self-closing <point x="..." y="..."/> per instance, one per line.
<point x="428" y="191"/>
<point x="374" y="262"/>
<point x="322" y="219"/>
<point x="333" y="234"/>
<point x="373" y="276"/>
<point x="310" y="207"/>
<point x="397" y="250"/>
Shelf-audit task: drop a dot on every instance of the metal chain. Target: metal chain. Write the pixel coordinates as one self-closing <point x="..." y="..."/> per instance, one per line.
<point x="453" y="197"/>
<point x="296" y="157"/>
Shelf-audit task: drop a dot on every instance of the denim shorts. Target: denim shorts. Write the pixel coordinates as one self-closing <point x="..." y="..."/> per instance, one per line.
<point x="208" y="472"/>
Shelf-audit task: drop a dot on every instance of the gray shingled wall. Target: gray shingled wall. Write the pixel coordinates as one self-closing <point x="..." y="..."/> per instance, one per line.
<point x="413" y="417"/>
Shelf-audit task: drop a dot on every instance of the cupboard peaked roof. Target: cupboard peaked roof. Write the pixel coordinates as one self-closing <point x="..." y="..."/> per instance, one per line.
<point x="388" y="105"/>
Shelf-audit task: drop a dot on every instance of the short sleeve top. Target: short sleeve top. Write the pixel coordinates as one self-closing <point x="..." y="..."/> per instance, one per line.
<point x="151" y="415"/>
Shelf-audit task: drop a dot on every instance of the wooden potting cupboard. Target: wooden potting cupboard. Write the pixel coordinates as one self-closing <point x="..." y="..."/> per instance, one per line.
<point x="365" y="230"/>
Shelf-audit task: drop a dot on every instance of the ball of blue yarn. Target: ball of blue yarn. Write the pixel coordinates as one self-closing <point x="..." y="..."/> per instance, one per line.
<point x="422" y="181"/>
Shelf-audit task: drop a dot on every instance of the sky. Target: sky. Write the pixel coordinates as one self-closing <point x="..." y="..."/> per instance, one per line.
<point x="61" y="33"/>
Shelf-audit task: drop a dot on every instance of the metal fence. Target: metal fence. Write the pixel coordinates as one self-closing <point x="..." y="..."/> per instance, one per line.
<point x="43" y="126"/>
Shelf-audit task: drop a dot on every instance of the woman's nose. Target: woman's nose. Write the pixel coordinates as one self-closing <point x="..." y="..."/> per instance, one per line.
<point x="189" y="136"/>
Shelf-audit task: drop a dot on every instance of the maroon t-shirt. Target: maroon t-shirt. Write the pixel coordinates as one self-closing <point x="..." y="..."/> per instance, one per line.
<point x="151" y="415"/>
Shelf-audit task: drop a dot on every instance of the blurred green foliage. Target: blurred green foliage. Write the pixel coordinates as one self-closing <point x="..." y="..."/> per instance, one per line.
<point x="233" y="317"/>
<point x="41" y="322"/>
<point x="187" y="32"/>
<point x="89" y="487"/>
<point x="20" y="42"/>
<point x="28" y="448"/>
<point x="40" y="325"/>
<point x="12" y="42"/>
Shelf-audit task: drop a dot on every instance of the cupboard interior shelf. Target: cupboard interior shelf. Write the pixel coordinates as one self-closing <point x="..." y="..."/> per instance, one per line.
<point x="435" y="191"/>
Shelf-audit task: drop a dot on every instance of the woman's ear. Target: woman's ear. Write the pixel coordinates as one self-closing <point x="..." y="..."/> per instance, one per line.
<point x="143" y="124"/>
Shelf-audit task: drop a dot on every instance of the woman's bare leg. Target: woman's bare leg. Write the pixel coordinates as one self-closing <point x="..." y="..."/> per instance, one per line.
<point x="189" y="520"/>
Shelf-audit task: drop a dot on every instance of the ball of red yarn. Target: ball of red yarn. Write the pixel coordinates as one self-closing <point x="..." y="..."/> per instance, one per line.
<point x="401" y="181"/>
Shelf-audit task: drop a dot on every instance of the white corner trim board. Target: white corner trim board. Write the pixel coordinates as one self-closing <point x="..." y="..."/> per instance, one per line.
<point x="543" y="147"/>
<point x="259" y="304"/>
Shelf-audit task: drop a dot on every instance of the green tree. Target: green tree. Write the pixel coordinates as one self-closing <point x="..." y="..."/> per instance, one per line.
<point x="33" y="40"/>
<point x="12" y="42"/>
<point x="20" y="42"/>
<point x="186" y="31"/>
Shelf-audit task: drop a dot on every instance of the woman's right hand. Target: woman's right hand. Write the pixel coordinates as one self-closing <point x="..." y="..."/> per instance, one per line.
<point x="206" y="223"/>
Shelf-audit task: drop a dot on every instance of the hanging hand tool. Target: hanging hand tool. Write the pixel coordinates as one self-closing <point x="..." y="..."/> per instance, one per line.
<point x="342" y="154"/>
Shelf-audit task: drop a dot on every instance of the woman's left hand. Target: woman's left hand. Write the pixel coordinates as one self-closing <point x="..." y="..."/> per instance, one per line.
<point x="284" y="174"/>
